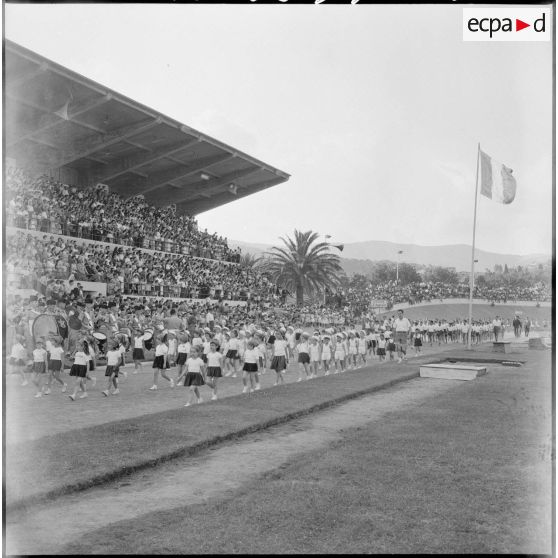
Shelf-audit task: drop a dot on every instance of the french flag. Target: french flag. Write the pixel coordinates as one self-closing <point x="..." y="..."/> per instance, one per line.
<point x="497" y="182"/>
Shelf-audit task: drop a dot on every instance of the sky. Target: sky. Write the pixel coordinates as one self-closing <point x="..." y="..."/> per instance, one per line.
<point x="376" y="112"/>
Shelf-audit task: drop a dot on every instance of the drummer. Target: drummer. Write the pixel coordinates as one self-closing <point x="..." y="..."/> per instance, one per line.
<point x="75" y="323"/>
<point x="86" y="319"/>
<point x="102" y="327"/>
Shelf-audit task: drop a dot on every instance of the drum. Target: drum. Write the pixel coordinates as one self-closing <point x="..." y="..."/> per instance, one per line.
<point x="75" y="322"/>
<point x="148" y="339"/>
<point x="49" y="325"/>
<point x="101" y="335"/>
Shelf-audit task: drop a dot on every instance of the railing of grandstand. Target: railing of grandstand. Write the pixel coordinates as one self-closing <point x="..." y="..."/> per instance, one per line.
<point x="49" y="226"/>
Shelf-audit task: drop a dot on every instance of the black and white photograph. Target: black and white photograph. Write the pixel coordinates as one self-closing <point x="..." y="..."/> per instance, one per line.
<point x="278" y="278"/>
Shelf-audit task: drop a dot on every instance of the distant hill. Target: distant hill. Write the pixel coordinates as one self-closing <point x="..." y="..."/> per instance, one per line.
<point x="456" y="255"/>
<point x="357" y="257"/>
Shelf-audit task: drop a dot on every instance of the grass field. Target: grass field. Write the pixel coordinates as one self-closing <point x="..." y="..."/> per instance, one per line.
<point x="92" y="454"/>
<point x="451" y="311"/>
<point x="465" y="472"/>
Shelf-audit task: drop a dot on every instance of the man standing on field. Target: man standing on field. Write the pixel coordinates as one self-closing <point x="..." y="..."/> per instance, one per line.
<point x="402" y="327"/>
<point x="496" y="327"/>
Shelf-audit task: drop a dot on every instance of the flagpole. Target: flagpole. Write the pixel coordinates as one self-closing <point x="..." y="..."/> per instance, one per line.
<point x="472" y="279"/>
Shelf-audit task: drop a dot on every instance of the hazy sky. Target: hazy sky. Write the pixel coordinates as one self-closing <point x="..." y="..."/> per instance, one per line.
<point x="375" y="111"/>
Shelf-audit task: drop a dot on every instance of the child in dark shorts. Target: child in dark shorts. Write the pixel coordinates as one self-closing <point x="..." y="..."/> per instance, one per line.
<point x="113" y="367"/>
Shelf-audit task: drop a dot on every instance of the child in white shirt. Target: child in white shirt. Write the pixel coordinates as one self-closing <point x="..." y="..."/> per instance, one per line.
<point x="304" y="357"/>
<point x="55" y="364"/>
<point x="194" y="375"/>
<point x="214" y="367"/>
<point x="113" y="367"/>
<point x="39" y="367"/>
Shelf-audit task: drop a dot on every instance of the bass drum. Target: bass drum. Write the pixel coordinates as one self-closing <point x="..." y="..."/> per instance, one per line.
<point x="148" y="339"/>
<point x="49" y="325"/>
<point x="75" y="322"/>
<point x="102" y="334"/>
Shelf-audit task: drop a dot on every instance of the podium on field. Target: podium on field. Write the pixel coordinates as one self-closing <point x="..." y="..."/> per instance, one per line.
<point x="448" y="371"/>
<point x="502" y="346"/>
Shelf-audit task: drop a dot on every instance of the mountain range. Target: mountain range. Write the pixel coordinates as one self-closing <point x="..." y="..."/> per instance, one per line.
<point x="355" y="256"/>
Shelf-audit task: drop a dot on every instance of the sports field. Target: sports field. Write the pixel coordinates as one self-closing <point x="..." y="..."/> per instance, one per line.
<point x="422" y="465"/>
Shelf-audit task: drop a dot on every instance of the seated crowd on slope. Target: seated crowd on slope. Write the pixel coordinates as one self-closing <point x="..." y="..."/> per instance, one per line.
<point x="42" y="262"/>
<point x="49" y="206"/>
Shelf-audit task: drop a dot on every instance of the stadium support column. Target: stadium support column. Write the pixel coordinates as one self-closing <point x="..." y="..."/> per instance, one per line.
<point x="472" y="279"/>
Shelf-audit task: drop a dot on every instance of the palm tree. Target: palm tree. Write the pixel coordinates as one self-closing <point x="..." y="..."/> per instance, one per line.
<point x="302" y="266"/>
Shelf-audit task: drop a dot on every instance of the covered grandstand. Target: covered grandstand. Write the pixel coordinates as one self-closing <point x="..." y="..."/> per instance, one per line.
<point x="75" y="130"/>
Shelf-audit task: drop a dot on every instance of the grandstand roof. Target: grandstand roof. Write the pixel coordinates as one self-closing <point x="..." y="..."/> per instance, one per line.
<point x="57" y="119"/>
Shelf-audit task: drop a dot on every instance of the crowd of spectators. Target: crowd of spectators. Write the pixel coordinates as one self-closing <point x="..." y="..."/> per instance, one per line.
<point x="43" y="262"/>
<point x="49" y="206"/>
<point x="359" y="296"/>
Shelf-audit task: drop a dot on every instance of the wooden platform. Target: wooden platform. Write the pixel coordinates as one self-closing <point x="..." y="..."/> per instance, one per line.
<point x="502" y="346"/>
<point x="449" y="371"/>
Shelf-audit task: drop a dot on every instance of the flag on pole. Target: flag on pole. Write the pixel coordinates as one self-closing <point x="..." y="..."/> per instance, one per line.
<point x="497" y="182"/>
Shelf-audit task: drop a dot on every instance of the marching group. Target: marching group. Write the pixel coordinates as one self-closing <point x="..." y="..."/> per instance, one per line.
<point x="212" y="344"/>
